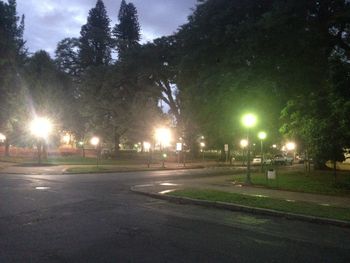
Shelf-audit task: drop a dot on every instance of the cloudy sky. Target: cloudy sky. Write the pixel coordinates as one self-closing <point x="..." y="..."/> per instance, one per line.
<point x="49" y="21"/>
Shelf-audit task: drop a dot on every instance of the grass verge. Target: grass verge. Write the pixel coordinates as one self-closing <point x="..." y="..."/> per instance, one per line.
<point x="318" y="182"/>
<point x="303" y="208"/>
<point x="70" y="160"/>
<point x="95" y="169"/>
<point x="88" y="169"/>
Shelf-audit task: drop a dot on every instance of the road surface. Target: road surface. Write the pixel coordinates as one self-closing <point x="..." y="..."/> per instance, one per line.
<point x="95" y="218"/>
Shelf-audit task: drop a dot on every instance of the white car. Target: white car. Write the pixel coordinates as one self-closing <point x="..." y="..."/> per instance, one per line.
<point x="256" y="161"/>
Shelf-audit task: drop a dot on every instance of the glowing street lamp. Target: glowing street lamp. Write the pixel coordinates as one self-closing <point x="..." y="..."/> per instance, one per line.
<point x="249" y="121"/>
<point x="202" y="145"/>
<point x="290" y="146"/>
<point x="146" y="146"/>
<point x="41" y="128"/>
<point x="2" y="137"/>
<point x="81" y="145"/>
<point x="163" y="137"/>
<point x="66" y="138"/>
<point x="147" y="149"/>
<point x="262" y="136"/>
<point x="95" y="141"/>
<point x="244" y="143"/>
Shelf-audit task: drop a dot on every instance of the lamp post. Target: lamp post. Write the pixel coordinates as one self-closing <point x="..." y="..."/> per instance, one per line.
<point x="40" y="127"/>
<point x="147" y="149"/>
<point x="249" y="121"/>
<point x="262" y="136"/>
<point x="2" y="140"/>
<point x="244" y="144"/>
<point x="202" y="145"/>
<point x="163" y="137"/>
<point x="95" y="141"/>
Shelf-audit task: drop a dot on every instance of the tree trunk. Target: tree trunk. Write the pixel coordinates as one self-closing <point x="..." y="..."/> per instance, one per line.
<point x="7" y="148"/>
<point x="335" y="170"/>
<point x="44" y="155"/>
<point x="39" y="151"/>
<point x="116" y="144"/>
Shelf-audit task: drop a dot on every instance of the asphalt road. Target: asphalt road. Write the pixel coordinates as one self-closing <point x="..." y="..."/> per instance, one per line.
<point x="95" y="218"/>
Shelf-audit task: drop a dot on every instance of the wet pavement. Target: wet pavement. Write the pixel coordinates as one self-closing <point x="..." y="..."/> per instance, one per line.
<point x="95" y="218"/>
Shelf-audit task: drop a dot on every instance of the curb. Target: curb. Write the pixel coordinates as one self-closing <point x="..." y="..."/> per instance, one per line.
<point x="242" y="208"/>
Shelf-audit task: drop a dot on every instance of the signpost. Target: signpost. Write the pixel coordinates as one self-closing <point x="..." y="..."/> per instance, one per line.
<point x="178" y="149"/>
<point x="226" y="151"/>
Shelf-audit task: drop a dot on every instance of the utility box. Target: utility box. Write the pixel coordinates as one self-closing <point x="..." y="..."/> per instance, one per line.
<point x="271" y="174"/>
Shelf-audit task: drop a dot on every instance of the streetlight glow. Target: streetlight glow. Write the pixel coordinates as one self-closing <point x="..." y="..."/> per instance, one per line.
<point x="249" y="120"/>
<point x="290" y="146"/>
<point x="66" y="138"/>
<point x="2" y="137"/>
<point x="262" y="135"/>
<point x="146" y="146"/>
<point x="163" y="136"/>
<point x="40" y="127"/>
<point x="95" y="141"/>
<point x="244" y="143"/>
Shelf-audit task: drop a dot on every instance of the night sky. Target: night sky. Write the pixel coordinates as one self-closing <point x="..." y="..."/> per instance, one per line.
<point x="49" y="21"/>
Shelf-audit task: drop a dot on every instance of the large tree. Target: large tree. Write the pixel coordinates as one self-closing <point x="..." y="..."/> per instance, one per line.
<point x="12" y="56"/>
<point x="249" y="55"/>
<point x="67" y="56"/>
<point x="95" y="39"/>
<point x="117" y="103"/>
<point x="127" y="31"/>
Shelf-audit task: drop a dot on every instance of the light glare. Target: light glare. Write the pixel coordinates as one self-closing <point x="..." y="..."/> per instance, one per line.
<point x="262" y="135"/>
<point x="249" y="120"/>
<point x="163" y="136"/>
<point x="244" y="143"/>
<point x="290" y="146"/>
<point x="146" y="146"/>
<point x="95" y="141"/>
<point x="2" y="137"/>
<point x="41" y="127"/>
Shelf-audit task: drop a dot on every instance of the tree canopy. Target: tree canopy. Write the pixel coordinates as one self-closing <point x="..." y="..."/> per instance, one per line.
<point x="285" y="60"/>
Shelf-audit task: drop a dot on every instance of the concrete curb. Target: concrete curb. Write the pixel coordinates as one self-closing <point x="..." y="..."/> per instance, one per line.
<point x="242" y="208"/>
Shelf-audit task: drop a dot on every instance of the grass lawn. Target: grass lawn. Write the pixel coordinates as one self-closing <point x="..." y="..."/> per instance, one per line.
<point x="320" y="182"/>
<point x="106" y="168"/>
<point x="89" y="169"/>
<point x="304" y="208"/>
<point x="70" y="160"/>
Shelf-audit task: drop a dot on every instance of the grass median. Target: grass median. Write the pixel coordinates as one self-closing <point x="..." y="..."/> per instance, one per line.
<point x="103" y="169"/>
<point x="295" y="207"/>
<point x="317" y="182"/>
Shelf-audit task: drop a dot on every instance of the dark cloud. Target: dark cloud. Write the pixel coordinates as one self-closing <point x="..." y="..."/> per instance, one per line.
<point x="49" y="21"/>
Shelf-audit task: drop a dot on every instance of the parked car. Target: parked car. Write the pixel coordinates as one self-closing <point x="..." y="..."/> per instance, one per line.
<point x="267" y="161"/>
<point x="282" y="159"/>
<point x="256" y="161"/>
